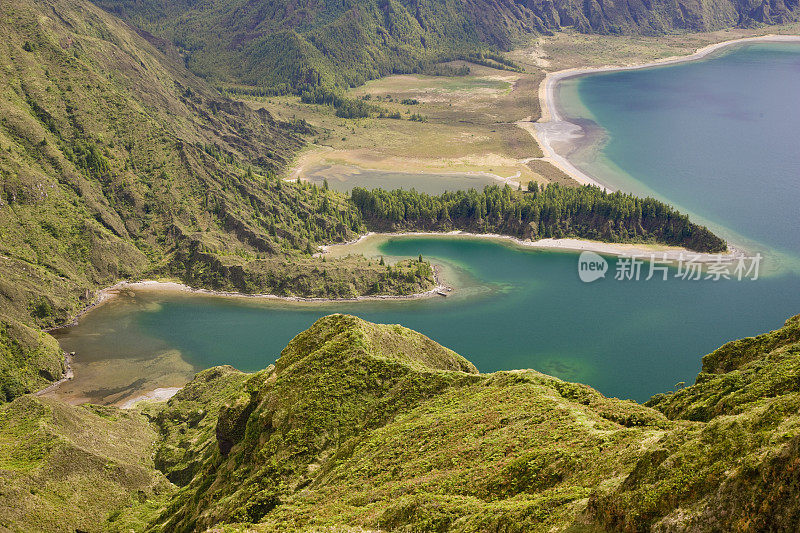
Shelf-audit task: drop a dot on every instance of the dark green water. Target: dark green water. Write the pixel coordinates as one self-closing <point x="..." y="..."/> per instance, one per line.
<point x="719" y="137"/>
<point x="519" y="309"/>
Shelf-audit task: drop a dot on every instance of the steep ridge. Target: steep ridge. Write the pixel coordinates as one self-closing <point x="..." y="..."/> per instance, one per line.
<point x="117" y="162"/>
<point x="364" y="426"/>
<point x="289" y="45"/>
<point x="361" y="425"/>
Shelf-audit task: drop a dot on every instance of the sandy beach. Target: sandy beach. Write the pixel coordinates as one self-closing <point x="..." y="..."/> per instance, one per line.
<point x="552" y="128"/>
<point x="165" y="389"/>
<point x="161" y="394"/>
<point x="644" y="251"/>
<point x="108" y="293"/>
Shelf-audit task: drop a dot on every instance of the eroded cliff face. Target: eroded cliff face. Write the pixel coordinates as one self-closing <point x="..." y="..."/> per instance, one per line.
<point x="653" y="18"/>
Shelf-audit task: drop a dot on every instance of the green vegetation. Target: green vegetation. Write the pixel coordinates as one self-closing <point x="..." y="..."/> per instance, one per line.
<point x="118" y="163"/>
<point x="29" y="359"/>
<point x="444" y="69"/>
<point x="489" y="59"/>
<point x="290" y="48"/>
<point x="552" y="212"/>
<point x="67" y="468"/>
<point x="329" y="44"/>
<point x="371" y="426"/>
<point x="170" y="180"/>
<point x="469" y="125"/>
<point x="380" y="428"/>
<point x="345" y="107"/>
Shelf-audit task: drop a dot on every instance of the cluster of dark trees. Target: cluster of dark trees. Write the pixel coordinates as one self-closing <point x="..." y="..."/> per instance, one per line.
<point x="444" y="69"/>
<point x="352" y="107"/>
<point x="549" y="212"/>
<point x="492" y="60"/>
<point x="345" y="107"/>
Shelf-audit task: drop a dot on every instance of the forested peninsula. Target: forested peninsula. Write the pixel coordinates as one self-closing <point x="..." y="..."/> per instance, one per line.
<point x="553" y="211"/>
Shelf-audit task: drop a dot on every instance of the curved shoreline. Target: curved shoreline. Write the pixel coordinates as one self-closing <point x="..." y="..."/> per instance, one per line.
<point x="644" y="251"/>
<point x="441" y="289"/>
<point x="552" y="127"/>
<point x="108" y="293"/>
<point x="662" y="252"/>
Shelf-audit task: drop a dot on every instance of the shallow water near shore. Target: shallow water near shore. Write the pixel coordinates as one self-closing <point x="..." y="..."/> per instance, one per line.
<point x="718" y="138"/>
<point x="514" y="308"/>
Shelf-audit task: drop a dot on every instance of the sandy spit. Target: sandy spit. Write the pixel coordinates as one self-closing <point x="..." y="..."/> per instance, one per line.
<point x="642" y="251"/>
<point x="161" y="394"/>
<point x="553" y="128"/>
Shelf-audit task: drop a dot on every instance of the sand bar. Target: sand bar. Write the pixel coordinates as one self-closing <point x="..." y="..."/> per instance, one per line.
<point x="552" y="128"/>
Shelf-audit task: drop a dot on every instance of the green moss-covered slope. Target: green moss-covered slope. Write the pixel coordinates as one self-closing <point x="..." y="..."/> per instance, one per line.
<point x="736" y="467"/>
<point x="377" y="427"/>
<point x="29" y="359"/>
<point x="291" y="46"/>
<point x="360" y="426"/>
<point x="65" y="468"/>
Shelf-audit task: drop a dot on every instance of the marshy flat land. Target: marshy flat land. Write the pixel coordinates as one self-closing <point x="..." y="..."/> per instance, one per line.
<point x="470" y="130"/>
<point x="468" y="126"/>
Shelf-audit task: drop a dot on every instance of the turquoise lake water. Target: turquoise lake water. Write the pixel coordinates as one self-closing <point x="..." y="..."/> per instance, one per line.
<point x="516" y="309"/>
<point x="716" y="137"/>
<point x="719" y="138"/>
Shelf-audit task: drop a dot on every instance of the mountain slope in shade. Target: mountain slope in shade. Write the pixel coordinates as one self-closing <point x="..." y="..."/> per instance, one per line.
<point x="289" y="45"/>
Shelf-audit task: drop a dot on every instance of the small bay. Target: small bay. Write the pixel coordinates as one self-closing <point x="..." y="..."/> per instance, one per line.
<point x="514" y="308"/>
<point x="718" y="137"/>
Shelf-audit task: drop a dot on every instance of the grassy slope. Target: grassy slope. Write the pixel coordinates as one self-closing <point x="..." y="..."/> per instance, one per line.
<point x="67" y="468"/>
<point x="29" y="359"/>
<point x="377" y="427"/>
<point x="364" y="425"/>
<point x="287" y="45"/>
<point x="116" y="162"/>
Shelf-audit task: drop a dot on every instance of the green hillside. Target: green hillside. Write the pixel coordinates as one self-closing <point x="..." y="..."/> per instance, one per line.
<point x="378" y="427"/>
<point x="119" y="162"/>
<point x="289" y="45"/>
<point x="67" y="468"/>
<point x="361" y="426"/>
<point x="116" y="163"/>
